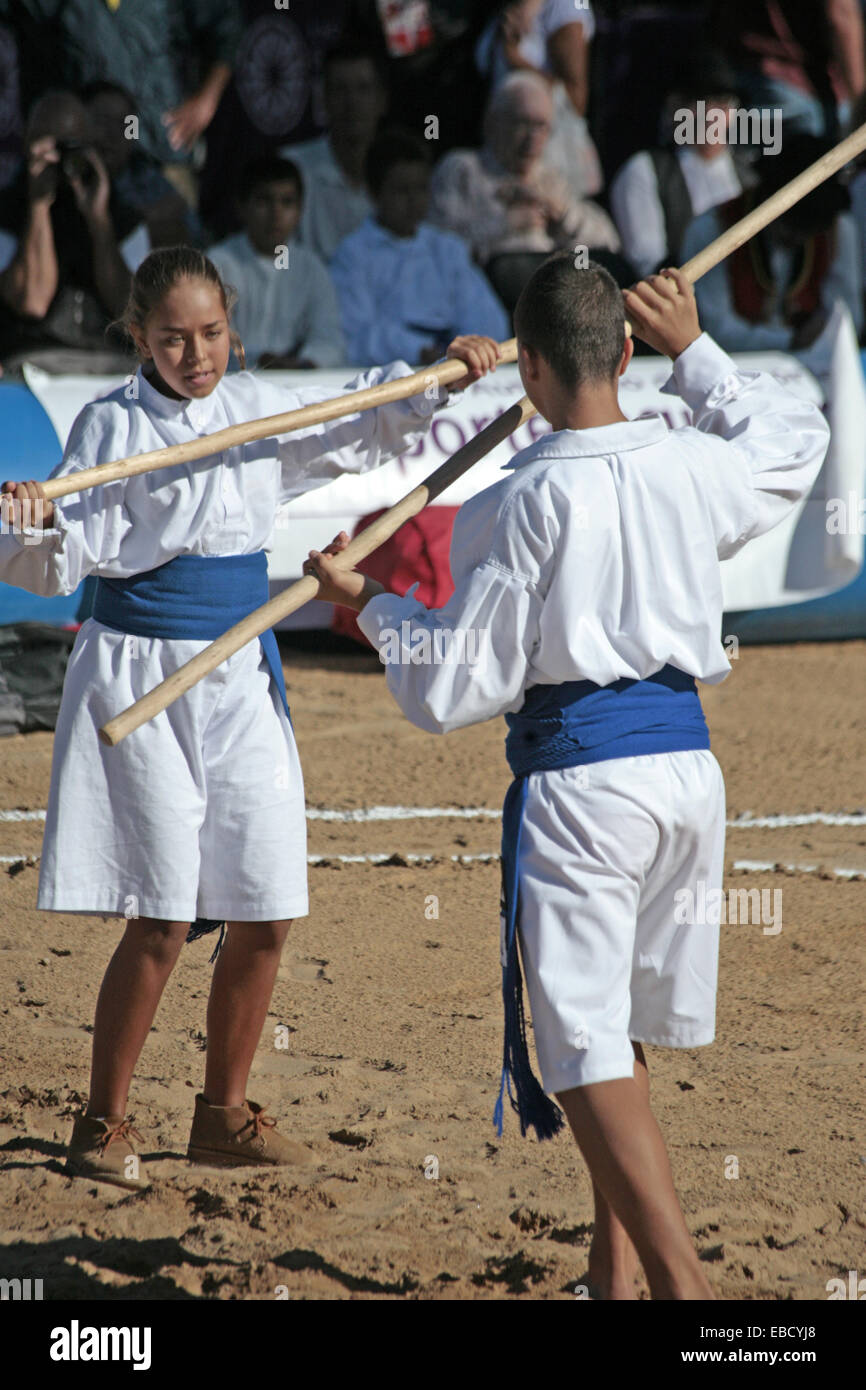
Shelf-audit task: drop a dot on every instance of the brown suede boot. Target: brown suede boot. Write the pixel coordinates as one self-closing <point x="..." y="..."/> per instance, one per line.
<point x="230" y="1135"/>
<point x="102" y="1148"/>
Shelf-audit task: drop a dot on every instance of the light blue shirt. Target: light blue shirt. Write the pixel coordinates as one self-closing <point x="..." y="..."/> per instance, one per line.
<point x="281" y="308"/>
<point x="399" y="295"/>
<point x="716" y="302"/>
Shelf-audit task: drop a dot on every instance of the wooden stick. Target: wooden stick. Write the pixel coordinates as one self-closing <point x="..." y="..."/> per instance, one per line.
<point x="307" y="588"/>
<point x="445" y="373"/>
<point x="773" y="207"/>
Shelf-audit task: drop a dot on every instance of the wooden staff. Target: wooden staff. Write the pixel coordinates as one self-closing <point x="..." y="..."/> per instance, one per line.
<point x="445" y="374"/>
<point x="374" y="535"/>
<point x="307" y="588"/>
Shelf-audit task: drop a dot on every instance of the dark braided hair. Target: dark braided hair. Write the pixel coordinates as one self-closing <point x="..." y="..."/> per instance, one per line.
<point x="160" y="272"/>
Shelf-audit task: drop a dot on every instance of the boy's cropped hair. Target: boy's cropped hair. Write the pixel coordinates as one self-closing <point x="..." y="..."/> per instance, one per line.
<point x="268" y="169"/>
<point x="393" y="146"/>
<point x="575" y="318"/>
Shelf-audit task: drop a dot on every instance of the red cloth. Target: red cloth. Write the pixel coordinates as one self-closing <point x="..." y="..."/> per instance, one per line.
<point x="419" y="551"/>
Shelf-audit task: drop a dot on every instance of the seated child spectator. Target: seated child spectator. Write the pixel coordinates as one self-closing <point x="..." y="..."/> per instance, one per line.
<point x="406" y="288"/>
<point x="287" y="313"/>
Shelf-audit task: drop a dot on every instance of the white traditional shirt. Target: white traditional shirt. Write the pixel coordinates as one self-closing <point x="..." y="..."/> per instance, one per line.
<point x="286" y="302"/>
<point x="332" y="207"/>
<point x="227" y="507"/>
<point x="399" y="295"/>
<point x="598" y="557"/>
<point x="200" y="811"/>
<point x="637" y="209"/>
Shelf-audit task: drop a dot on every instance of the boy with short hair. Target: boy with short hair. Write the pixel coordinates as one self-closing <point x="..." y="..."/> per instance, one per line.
<point x="593" y="572"/>
<point x="406" y="287"/>
<point x="287" y="314"/>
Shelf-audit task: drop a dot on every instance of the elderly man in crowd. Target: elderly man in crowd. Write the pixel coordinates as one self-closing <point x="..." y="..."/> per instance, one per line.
<point x="501" y="199"/>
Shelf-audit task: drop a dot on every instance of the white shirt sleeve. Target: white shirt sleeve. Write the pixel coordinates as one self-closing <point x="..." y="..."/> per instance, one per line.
<point x="89" y="527"/>
<point x="638" y="213"/>
<point x="313" y="457"/>
<point x="769" y="444"/>
<point x="469" y="661"/>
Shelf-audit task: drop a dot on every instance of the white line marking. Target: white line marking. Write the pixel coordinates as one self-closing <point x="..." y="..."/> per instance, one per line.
<point x="759" y="866"/>
<point x="747" y="820"/>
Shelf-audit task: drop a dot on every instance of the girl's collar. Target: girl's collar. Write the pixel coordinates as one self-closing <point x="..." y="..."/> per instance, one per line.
<point x="197" y="412"/>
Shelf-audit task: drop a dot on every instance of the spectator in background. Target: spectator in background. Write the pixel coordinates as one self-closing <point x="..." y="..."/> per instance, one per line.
<point x="805" y="57"/>
<point x="658" y="192"/>
<point x="778" y="290"/>
<point x="406" y="288"/>
<point x="69" y="248"/>
<point x="332" y="166"/>
<point x="510" y="209"/>
<point x="552" y="38"/>
<point x="136" y="177"/>
<point x="274" y="96"/>
<point x="176" y="55"/>
<point x="287" y="313"/>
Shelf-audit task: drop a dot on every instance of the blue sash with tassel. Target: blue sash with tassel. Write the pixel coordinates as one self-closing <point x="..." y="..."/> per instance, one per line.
<point x="194" y="598"/>
<point x="562" y="726"/>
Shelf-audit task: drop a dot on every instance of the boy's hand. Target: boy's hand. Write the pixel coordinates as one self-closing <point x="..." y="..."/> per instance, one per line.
<point x="25" y="504"/>
<point x="349" y="588"/>
<point x="480" y="355"/>
<point x="663" y="311"/>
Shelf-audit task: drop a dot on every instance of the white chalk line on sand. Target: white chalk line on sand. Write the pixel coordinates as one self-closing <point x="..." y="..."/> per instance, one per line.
<point x="752" y="866"/>
<point x="747" y="820"/>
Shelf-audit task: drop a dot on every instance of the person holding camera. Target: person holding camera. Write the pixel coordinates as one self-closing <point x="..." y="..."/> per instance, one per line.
<point x="67" y="255"/>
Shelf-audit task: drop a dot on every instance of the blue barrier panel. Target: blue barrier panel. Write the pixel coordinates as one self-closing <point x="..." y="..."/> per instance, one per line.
<point x="29" y="448"/>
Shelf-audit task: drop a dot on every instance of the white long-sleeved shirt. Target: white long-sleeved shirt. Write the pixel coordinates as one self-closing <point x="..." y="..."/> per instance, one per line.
<point x="598" y="557"/>
<point x="399" y="295"/>
<point x="207" y="507"/>
<point x="282" y="308"/>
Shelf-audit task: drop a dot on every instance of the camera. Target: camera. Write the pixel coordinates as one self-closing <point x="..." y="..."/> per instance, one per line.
<point x="74" y="163"/>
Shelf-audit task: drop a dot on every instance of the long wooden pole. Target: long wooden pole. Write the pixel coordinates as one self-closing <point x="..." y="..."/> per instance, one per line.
<point x="307" y="588"/>
<point x="349" y="403"/>
<point x="373" y="536"/>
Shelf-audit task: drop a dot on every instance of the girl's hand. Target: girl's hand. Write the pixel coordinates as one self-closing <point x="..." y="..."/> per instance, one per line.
<point x="25" y="504"/>
<point x="347" y="587"/>
<point x="480" y="355"/>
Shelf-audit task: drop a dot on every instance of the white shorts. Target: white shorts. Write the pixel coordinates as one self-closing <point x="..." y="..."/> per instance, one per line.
<point x="198" y="813"/>
<point x="604" y="850"/>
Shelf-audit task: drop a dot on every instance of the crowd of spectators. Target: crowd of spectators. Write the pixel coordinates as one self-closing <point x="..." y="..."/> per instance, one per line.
<point x="376" y="176"/>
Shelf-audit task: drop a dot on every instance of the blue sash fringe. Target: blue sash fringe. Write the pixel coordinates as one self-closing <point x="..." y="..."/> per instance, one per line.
<point x="561" y="726"/>
<point x="194" y="598"/>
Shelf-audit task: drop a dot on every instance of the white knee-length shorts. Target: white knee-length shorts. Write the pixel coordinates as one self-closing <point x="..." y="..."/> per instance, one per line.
<point x="605" y="849"/>
<point x="198" y="813"/>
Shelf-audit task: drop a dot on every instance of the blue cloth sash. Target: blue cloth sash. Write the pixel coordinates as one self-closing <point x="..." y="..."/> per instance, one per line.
<point x="561" y="726"/>
<point x="192" y="597"/>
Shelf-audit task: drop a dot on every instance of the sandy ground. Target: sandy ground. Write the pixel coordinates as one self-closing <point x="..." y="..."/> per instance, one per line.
<point x="393" y="1014"/>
